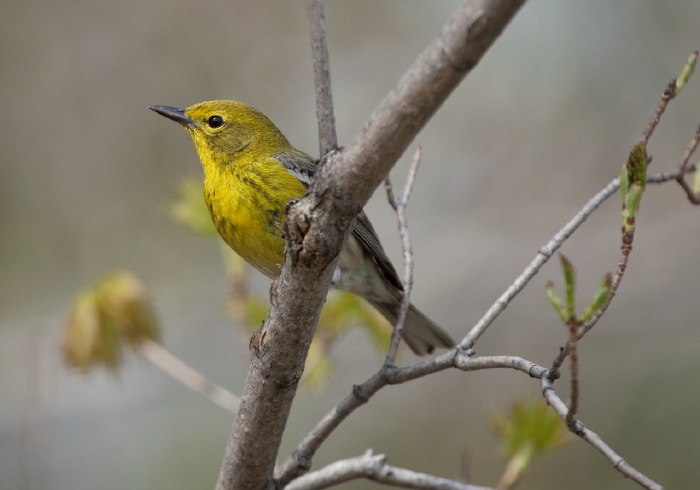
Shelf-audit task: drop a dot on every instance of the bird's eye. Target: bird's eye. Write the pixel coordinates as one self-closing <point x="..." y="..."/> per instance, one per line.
<point x="215" y="122"/>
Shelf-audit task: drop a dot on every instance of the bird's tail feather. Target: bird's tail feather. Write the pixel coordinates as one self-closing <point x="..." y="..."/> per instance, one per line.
<point x="420" y="333"/>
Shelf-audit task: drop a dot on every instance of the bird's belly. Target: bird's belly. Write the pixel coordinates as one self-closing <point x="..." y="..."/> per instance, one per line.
<point x="262" y="250"/>
<point x="252" y="234"/>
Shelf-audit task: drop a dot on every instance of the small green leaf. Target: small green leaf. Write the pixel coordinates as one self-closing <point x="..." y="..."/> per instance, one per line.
<point x="599" y="298"/>
<point x="570" y="284"/>
<point x="557" y="302"/>
<point x="686" y="73"/>
<point x="634" y="197"/>
<point x="696" y="178"/>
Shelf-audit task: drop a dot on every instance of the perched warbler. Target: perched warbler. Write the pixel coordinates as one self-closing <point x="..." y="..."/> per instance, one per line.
<point x="251" y="172"/>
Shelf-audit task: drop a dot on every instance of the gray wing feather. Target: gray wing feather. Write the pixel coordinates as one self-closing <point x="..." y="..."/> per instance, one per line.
<point x="300" y="165"/>
<point x="365" y="234"/>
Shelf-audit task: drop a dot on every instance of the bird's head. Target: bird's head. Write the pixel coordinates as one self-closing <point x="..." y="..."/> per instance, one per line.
<point x="224" y="130"/>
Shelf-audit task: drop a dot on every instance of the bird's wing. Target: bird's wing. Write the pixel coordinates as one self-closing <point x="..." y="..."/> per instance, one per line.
<point x="303" y="167"/>
<point x="299" y="165"/>
<point x="365" y="234"/>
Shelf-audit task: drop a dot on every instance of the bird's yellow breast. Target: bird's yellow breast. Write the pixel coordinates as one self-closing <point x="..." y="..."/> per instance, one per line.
<point x="247" y="202"/>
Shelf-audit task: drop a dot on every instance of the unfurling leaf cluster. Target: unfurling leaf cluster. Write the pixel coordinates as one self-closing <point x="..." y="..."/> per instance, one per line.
<point x="567" y="309"/>
<point x="113" y="314"/>
<point x="633" y="180"/>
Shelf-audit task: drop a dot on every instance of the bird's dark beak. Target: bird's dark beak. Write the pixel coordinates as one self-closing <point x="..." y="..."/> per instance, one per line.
<point x="175" y="113"/>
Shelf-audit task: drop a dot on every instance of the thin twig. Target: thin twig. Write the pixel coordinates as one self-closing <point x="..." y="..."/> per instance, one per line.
<point x="582" y="330"/>
<point x="693" y="196"/>
<point x="374" y="467"/>
<point x="573" y="407"/>
<point x="663" y="177"/>
<point x="628" y="237"/>
<point x="174" y="367"/>
<point x="594" y="439"/>
<point x="625" y="251"/>
<point x="327" y="139"/>
<point x="300" y="461"/>
<point x="692" y="146"/>
<point x="400" y="208"/>
<point x="671" y="91"/>
<point x="668" y="94"/>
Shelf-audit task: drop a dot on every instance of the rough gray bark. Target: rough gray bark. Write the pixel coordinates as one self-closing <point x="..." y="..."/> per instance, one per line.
<point x="318" y="226"/>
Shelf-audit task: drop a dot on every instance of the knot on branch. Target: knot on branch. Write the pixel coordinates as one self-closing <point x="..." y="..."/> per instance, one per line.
<point x="389" y="373"/>
<point x="302" y="462"/>
<point x="551" y="374"/>
<point x="463" y="351"/>
<point x="576" y="426"/>
<point x="360" y="393"/>
<point x="455" y="41"/>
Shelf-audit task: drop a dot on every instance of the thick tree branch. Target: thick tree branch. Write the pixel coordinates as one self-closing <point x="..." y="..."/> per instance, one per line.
<point x="318" y="226"/>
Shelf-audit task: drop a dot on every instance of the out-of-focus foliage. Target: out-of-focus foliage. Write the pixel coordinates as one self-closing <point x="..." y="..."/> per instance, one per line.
<point x="530" y="429"/>
<point x="112" y="314"/>
<point x="191" y="210"/>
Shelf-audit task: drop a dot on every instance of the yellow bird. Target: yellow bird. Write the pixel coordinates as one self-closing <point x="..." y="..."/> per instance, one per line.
<point x="251" y="172"/>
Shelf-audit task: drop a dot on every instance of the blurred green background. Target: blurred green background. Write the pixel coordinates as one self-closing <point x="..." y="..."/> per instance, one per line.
<point x="546" y="119"/>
